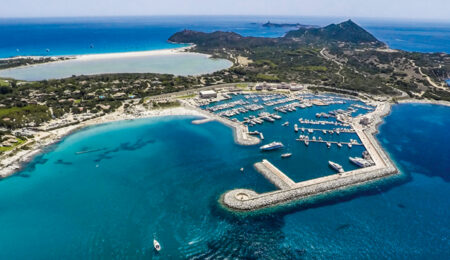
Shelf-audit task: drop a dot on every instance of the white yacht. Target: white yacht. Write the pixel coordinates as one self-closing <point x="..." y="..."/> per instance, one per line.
<point x="359" y="162"/>
<point x="271" y="146"/>
<point x="336" y="167"/>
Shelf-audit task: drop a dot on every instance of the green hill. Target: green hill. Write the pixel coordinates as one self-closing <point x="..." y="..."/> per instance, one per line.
<point x="347" y="31"/>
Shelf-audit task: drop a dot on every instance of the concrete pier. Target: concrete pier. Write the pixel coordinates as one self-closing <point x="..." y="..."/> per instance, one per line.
<point x="274" y="175"/>
<point x="341" y="130"/>
<point x="240" y="131"/>
<point x="248" y="200"/>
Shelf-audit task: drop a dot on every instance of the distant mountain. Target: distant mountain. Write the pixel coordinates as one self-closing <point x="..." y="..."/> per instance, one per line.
<point x="347" y="31"/>
<point x="279" y="25"/>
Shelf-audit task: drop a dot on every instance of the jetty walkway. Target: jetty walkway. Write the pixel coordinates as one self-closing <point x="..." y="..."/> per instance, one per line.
<point x="240" y="131"/>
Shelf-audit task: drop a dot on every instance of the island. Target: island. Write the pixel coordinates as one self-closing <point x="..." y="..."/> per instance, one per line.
<point x="280" y="25"/>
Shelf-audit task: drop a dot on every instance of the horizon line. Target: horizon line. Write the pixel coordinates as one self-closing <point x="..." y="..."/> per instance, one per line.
<point x="234" y="15"/>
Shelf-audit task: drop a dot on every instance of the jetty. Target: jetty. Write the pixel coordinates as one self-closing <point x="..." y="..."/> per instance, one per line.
<point x="289" y="191"/>
<point x="240" y="131"/>
<point x="274" y="175"/>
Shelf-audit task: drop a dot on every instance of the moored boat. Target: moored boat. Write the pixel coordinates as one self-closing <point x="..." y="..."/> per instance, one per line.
<point x="360" y="162"/>
<point x="271" y="146"/>
<point x="286" y="155"/>
<point x="336" y="167"/>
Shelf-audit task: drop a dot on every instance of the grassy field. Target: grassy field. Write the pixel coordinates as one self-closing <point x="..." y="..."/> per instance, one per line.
<point x="3" y="83"/>
<point x="5" y="149"/>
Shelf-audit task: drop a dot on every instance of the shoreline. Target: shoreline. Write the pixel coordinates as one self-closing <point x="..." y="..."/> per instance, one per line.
<point x="13" y="164"/>
<point x="115" y="55"/>
<point x="45" y="139"/>
<point x="103" y="56"/>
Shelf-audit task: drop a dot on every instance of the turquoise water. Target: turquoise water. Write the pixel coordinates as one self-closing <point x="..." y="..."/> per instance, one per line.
<point x="162" y="178"/>
<point x="178" y="64"/>
<point x="311" y="161"/>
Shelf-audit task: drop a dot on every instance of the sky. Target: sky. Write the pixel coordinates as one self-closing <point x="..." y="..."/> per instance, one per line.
<point x="399" y="9"/>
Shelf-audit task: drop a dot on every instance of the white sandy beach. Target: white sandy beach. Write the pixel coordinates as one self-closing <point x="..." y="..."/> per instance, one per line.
<point x="94" y="56"/>
<point x="172" y="51"/>
<point x="176" y="61"/>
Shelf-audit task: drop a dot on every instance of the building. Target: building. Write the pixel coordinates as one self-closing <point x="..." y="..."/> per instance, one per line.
<point x="295" y="87"/>
<point x="208" y="94"/>
<point x="283" y="85"/>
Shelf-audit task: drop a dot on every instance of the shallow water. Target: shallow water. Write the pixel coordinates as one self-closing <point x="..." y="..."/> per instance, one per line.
<point x="178" y="64"/>
<point x="162" y="178"/>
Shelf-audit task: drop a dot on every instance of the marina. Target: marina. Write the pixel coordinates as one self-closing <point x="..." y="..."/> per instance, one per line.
<point x="344" y="125"/>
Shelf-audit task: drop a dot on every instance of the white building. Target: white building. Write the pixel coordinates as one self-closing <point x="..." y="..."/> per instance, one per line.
<point x="208" y="94"/>
<point x="283" y="85"/>
<point x="295" y="87"/>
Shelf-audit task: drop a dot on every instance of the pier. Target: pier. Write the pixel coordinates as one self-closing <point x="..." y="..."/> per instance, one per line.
<point x="240" y="131"/>
<point x="274" y="175"/>
<point x="341" y="130"/>
<point x="331" y="142"/>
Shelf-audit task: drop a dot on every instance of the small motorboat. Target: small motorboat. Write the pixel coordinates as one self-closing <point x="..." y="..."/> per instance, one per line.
<point x="156" y="245"/>
<point x="286" y="155"/>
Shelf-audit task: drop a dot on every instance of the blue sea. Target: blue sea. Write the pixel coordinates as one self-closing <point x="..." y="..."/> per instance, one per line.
<point x="162" y="177"/>
<point x="70" y="36"/>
